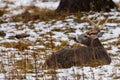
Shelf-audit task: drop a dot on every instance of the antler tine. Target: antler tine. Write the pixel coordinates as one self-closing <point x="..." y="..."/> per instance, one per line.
<point x="94" y="18"/>
<point x="94" y="24"/>
<point x="98" y="22"/>
<point x="104" y="23"/>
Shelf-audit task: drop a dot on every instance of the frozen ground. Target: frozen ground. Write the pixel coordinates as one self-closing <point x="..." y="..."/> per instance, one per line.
<point x="21" y="59"/>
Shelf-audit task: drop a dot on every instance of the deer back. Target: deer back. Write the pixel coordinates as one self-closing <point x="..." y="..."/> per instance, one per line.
<point x="81" y="56"/>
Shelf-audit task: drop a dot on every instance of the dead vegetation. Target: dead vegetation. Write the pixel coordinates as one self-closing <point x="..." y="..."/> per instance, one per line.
<point x="33" y="13"/>
<point x="2" y="12"/>
<point x="20" y="45"/>
<point x="24" y="65"/>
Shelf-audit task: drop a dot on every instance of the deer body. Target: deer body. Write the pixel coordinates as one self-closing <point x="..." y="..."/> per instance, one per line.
<point x="92" y="55"/>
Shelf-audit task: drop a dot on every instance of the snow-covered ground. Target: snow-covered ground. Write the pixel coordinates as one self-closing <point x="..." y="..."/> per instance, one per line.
<point x="14" y="53"/>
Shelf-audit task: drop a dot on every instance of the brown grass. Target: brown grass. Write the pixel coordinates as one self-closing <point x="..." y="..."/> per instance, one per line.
<point x="24" y="64"/>
<point x="8" y="45"/>
<point x="2" y="12"/>
<point x="116" y="77"/>
<point x="21" y="45"/>
<point x="32" y="13"/>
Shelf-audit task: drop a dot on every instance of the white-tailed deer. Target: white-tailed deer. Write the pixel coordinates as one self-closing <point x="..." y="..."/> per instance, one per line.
<point x="92" y="54"/>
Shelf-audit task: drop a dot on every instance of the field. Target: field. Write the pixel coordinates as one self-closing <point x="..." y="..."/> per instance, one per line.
<point x="34" y="31"/>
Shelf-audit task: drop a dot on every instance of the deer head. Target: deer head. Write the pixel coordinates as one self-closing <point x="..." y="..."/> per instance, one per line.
<point x="92" y="34"/>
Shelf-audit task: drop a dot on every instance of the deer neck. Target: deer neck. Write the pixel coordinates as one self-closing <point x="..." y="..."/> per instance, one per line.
<point x="95" y="43"/>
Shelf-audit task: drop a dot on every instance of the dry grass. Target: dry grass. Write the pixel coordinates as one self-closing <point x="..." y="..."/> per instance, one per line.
<point x="8" y="44"/>
<point x="116" y="77"/>
<point x="44" y="0"/>
<point x="21" y="45"/>
<point x="33" y="13"/>
<point x="2" y="12"/>
<point x="24" y="64"/>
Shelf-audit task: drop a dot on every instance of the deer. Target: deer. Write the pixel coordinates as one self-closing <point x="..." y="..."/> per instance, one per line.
<point x="92" y="53"/>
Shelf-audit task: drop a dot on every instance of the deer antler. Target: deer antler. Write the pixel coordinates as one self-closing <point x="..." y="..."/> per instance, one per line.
<point x="94" y="24"/>
<point x="97" y="25"/>
<point x="104" y="23"/>
<point x="98" y="22"/>
<point x="96" y="30"/>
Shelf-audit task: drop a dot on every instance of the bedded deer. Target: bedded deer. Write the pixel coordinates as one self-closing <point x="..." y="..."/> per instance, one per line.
<point x="91" y="54"/>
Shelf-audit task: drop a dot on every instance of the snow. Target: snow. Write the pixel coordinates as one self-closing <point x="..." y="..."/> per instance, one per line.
<point x="2" y="76"/>
<point x="116" y="0"/>
<point x="112" y="34"/>
<point x="114" y="50"/>
<point x="51" y="5"/>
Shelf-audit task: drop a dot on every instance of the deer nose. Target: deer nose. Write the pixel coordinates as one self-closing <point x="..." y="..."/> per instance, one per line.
<point x="75" y="39"/>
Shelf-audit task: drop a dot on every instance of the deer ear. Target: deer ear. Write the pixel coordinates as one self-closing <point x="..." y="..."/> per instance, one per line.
<point x="100" y="34"/>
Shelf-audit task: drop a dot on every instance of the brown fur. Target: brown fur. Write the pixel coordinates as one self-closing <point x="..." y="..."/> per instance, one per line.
<point x="92" y="55"/>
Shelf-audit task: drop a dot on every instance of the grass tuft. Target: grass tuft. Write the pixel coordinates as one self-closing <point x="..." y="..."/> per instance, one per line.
<point x="32" y="13"/>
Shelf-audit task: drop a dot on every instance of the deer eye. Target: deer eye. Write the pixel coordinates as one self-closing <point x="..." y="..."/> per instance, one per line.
<point x="85" y="36"/>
